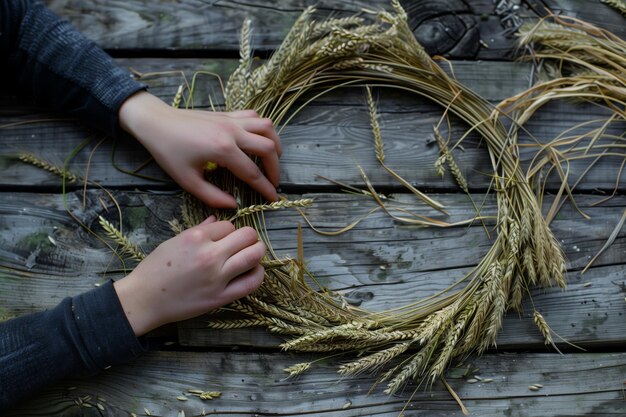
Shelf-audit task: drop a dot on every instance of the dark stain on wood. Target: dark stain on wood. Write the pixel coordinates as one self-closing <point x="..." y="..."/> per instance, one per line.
<point x="444" y="27"/>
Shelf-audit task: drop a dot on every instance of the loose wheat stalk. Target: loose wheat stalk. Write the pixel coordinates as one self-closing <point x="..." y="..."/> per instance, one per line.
<point x="126" y="246"/>
<point x="378" y="138"/>
<point x="447" y="156"/>
<point x="45" y="165"/>
<point x="277" y="205"/>
<point x="298" y="368"/>
<point x="178" y="97"/>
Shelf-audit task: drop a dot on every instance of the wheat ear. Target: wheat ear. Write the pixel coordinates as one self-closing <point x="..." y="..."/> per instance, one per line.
<point x="378" y="137"/>
<point x="298" y="368"/>
<point x="127" y="247"/>
<point x="619" y="5"/>
<point x="45" y="165"/>
<point x="277" y="205"/>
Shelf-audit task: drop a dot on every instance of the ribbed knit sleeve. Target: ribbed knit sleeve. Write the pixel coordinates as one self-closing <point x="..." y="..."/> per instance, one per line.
<point x="50" y="61"/>
<point x="78" y="338"/>
<point x="44" y="57"/>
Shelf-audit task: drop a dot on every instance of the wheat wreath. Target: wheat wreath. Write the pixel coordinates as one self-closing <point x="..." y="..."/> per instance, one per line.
<point x="315" y="58"/>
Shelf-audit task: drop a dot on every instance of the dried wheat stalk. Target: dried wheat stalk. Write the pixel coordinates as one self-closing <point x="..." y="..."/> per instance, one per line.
<point x="126" y="247"/>
<point x="47" y="166"/>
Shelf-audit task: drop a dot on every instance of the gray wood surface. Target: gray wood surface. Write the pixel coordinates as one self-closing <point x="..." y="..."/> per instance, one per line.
<point x="192" y="24"/>
<point x="253" y="383"/>
<point x="331" y="136"/>
<point x="453" y="28"/>
<point x="46" y="256"/>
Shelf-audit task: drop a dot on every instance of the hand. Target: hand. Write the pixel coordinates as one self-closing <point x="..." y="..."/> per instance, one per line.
<point x="202" y="268"/>
<point x="183" y="141"/>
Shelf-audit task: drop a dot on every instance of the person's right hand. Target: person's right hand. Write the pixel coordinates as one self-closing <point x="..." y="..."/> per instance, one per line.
<point x="183" y="141"/>
<point x="204" y="267"/>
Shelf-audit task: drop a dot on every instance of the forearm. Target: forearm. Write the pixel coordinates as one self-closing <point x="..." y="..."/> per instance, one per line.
<point x="79" y="337"/>
<point x="50" y="61"/>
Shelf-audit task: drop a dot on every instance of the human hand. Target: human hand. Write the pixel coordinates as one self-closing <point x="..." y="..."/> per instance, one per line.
<point x="204" y="267"/>
<point x="183" y="141"/>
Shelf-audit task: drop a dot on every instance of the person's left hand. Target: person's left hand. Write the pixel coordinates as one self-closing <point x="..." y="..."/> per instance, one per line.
<point x="202" y="268"/>
<point x="183" y="141"/>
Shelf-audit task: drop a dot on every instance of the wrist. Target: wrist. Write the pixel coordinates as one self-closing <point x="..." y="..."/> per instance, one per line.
<point x="136" y="306"/>
<point x="138" y="113"/>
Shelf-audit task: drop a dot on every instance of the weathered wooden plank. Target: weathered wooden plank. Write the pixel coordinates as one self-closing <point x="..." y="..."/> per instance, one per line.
<point x="453" y="28"/>
<point x="450" y="28"/>
<point x="330" y="140"/>
<point x="330" y="137"/>
<point x="36" y="273"/>
<point x="193" y="24"/>
<point x="403" y="249"/>
<point x="254" y="384"/>
<point x="348" y="121"/>
<point x="589" y="313"/>
<point x="596" y="12"/>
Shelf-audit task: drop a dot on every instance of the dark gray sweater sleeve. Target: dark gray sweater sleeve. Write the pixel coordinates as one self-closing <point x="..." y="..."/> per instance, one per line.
<point x="60" y="68"/>
<point x="78" y="338"/>
<point x="43" y="56"/>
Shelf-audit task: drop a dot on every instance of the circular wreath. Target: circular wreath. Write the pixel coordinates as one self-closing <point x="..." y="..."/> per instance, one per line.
<point x="318" y="57"/>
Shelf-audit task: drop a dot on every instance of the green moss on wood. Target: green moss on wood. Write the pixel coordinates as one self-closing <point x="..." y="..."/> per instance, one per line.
<point x="134" y="218"/>
<point x="36" y="240"/>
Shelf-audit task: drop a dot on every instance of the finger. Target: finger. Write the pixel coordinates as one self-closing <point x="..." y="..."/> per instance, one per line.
<point x="208" y="232"/>
<point x="263" y="127"/>
<point x="244" y="284"/>
<point x="266" y="149"/>
<point x="209" y="220"/>
<point x="250" y="121"/>
<point x="218" y="231"/>
<point x="244" y="260"/>
<point x="243" y="168"/>
<point x="243" y="114"/>
<point x="208" y="193"/>
<point x="238" y="241"/>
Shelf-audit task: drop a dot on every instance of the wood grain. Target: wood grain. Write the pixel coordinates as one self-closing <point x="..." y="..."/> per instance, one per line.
<point x="192" y="24"/>
<point x="453" y="28"/>
<point x="253" y="383"/>
<point x="36" y="273"/>
<point x="45" y="255"/>
<point x="331" y="136"/>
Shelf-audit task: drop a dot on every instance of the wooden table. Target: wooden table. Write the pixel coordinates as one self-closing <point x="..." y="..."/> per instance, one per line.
<point x="45" y="255"/>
